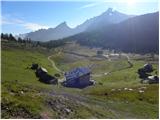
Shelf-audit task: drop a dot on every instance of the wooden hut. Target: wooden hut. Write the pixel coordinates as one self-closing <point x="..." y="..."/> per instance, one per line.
<point x="45" y="77"/>
<point x="78" y="77"/>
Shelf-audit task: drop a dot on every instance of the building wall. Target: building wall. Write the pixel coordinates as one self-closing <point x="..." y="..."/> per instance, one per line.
<point x="71" y="81"/>
<point x="83" y="80"/>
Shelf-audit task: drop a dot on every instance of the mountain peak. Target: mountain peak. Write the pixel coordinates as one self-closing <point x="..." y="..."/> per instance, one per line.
<point x="109" y="10"/>
<point x="63" y="24"/>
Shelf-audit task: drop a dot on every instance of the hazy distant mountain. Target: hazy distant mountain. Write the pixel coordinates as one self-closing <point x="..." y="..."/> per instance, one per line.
<point x="138" y="34"/>
<point x="61" y="31"/>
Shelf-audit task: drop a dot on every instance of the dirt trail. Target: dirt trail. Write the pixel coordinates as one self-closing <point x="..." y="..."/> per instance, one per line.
<point x="53" y="64"/>
<point x="55" y="67"/>
<point x="128" y="60"/>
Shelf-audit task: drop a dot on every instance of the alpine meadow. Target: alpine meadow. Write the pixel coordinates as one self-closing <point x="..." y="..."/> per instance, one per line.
<point x="80" y="60"/>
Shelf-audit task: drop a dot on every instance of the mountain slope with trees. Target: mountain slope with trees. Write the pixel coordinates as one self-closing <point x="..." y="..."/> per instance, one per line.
<point x="138" y="34"/>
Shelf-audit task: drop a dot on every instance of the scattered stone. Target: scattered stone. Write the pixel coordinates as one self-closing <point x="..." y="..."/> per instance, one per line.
<point x="142" y="88"/>
<point x="125" y="88"/>
<point x="67" y="110"/>
<point x="113" y="90"/>
<point x="45" y="115"/>
<point x="141" y="91"/>
<point x="61" y="117"/>
<point x="22" y="92"/>
<point x="130" y="89"/>
<point x="119" y="89"/>
<point x="105" y="73"/>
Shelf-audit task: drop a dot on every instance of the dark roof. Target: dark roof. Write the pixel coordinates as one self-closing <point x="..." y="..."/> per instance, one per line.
<point x="43" y="69"/>
<point x="77" y="72"/>
<point x="148" y="65"/>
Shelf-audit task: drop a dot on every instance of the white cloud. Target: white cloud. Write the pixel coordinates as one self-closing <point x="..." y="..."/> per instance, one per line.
<point x="4" y="21"/>
<point x="89" y="5"/>
<point x="26" y="25"/>
<point x="100" y="2"/>
<point x="34" y="26"/>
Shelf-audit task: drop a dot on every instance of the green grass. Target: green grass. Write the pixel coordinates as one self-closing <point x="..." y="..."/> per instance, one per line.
<point x="15" y="63"/>
<point x="67" y="62"/>
<point x="17" y="78"/>
<point x="23" y="96"/>
<point x="18" y="105"/>
<point x="141" y="105"/>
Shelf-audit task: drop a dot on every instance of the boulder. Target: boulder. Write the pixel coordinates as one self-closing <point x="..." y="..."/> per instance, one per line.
<point x="34" y="66"/>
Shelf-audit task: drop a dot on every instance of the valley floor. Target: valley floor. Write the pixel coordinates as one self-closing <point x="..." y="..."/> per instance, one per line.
<point x="117" y="93"/>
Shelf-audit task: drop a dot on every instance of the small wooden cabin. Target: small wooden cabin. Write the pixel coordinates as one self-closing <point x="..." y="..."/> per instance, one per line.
<point x="43" y="76"/>
<point x="78" y="77"/>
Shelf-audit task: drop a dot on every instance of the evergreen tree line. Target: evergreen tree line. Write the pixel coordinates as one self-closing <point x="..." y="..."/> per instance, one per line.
<point x="49" y="44"/>
<point x="53" y="43"/>
<point x="10" y="37"/>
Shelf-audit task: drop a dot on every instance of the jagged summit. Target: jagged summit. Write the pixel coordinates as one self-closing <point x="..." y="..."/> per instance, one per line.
<point x="62" y="30"/>
<point x="109" y="10"/>
<point x="62" y="25"/>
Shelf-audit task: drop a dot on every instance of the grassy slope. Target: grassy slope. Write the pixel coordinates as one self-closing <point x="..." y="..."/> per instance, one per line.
<point x="17" y="80"/>
<point x="141" y="105"/>
<point x="23" y="96"/>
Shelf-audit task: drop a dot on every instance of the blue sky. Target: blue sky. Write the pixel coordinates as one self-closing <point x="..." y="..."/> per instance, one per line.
<point x="26" y="16"/>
